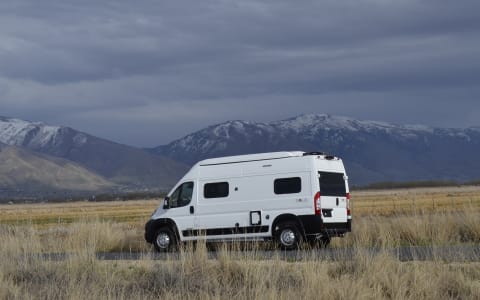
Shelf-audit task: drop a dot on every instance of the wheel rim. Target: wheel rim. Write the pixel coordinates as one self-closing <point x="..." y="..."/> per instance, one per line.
<point x="163" y="240"/>
<point x="287" y="237"/>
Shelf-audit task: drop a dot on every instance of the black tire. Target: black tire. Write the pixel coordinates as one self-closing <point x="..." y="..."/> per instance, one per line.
<point x="287" y="235"/>
<point x="165" y="240"/>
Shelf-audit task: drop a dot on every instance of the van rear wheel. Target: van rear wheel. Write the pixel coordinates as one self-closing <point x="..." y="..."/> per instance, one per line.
<point x="287" y="236"/>
<point x="165" y="240"/>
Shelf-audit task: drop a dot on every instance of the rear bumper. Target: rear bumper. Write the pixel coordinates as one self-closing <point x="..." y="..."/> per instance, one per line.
<point x="313" y="225"/>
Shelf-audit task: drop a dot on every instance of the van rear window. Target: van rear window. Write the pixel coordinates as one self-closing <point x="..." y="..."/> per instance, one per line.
<point x="332" y="184"/>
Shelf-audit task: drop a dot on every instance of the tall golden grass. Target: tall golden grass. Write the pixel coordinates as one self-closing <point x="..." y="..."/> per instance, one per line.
<point x="27" y="274"/>
<point x="418" y="229"/>
<point x="415" y="229"/>
<point x="193" y="275"/>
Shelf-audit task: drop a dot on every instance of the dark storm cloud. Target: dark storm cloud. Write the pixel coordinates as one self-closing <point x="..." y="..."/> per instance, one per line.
<point x="116" y="68"/>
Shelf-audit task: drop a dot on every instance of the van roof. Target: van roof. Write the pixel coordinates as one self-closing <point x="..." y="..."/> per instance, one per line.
<point x="249" y="157"/>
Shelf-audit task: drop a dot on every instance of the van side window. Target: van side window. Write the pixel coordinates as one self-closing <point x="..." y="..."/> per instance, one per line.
<point x="215" y="190"/>
<point x="182" y="195"/>
<point x="290" y="185"/>
<point x="332" y="184"/>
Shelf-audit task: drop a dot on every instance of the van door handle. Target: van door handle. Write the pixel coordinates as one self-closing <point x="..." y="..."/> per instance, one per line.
<point x="192" y="209"/>
<point x="337" y="201"/>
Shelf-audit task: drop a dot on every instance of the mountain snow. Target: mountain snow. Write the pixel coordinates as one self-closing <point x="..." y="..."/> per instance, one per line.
<point x="16" y="132"/>
<point x="313" y="123"/>
<point x="34" y="135"/>
<point x="309" y="125"/>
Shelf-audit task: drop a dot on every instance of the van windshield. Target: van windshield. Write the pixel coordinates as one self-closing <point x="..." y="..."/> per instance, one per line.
<point x="332" y="184"/>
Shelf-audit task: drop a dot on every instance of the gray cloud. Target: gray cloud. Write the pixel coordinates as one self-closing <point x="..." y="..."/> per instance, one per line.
<point x="146" y="72"/>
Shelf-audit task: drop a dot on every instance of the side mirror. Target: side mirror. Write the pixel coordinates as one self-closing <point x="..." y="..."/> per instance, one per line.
<point x="166" y="203"/>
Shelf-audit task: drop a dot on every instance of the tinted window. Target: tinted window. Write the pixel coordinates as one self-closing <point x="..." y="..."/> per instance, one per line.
<point x="291" y="185"/>
<point x="215" y="190"/>
<point x="182" y="195"/>
<point x="332" y="184"/>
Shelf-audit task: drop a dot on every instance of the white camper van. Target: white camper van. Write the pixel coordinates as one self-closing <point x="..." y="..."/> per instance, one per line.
<point x="289" y="197"/>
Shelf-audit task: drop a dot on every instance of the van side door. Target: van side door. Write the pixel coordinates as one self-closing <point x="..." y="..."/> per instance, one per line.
<point x="214" y="216"/>
<point x="181" y="206"/>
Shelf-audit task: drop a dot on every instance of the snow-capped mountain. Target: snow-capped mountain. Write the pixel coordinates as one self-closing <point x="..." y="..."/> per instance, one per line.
<point x="373" y="151"/>
<point x="17" y="132"/>
<point x="124" y="165"/>
<point x="39" y="136"/>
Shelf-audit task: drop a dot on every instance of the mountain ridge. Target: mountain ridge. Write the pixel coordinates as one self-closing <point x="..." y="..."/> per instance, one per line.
<point x="373" y="151"/>
<point x="130" y="167"/>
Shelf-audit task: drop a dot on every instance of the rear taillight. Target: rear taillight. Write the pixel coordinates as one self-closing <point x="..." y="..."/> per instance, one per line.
<point x="316" y="203"/>
<point x="348" y="204"/>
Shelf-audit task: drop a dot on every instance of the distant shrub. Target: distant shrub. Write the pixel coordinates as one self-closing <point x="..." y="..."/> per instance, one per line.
<point x="127" y="196"/>
<point x="409" y="184"/>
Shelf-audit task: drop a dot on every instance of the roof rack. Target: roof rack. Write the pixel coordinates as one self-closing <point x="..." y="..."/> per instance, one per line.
<point x="248" y="158"/>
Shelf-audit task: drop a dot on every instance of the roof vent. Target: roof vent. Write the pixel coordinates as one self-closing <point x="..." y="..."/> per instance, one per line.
<point x="314" y="153"/>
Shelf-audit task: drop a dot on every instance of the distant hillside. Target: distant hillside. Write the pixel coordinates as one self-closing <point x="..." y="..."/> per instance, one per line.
<point x="25" y="171"/>
<point x="124" y="165"/>
<point x="373" y="151"/>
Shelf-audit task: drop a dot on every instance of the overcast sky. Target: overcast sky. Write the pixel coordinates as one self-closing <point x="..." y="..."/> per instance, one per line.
<point x="147" y="72"/>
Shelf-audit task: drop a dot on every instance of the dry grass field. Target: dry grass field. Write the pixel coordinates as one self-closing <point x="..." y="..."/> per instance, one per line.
<point x="364" y="203"/>
<point x="382" y="219"/>
<point x="407" y="201"/>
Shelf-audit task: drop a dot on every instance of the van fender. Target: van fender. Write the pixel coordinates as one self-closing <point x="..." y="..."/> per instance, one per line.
<point x="154" y="224"/>
<point x="289" y="217"/>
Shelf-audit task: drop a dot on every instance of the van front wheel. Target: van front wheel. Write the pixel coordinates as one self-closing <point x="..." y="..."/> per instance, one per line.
<point x="287" y="236"/>
<point x="165" y="240"/>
